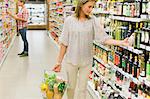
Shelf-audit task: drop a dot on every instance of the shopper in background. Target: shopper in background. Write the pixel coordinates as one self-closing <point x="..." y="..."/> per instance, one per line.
<point x="22" y="18"/>
<point x="76" y="43"/>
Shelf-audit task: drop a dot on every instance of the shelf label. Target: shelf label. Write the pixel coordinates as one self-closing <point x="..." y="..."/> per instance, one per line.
<point x="148" y="48"/>
<point x="142" y="46"/>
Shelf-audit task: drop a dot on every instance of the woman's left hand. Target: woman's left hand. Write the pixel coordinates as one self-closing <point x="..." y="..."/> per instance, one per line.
<point x="125" y="42"/>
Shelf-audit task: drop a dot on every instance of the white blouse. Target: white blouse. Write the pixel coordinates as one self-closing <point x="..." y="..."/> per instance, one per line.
<point x="79" y="36"/>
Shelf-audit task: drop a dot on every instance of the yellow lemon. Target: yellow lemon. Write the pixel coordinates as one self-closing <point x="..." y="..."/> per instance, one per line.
<point x="44" y="87"/>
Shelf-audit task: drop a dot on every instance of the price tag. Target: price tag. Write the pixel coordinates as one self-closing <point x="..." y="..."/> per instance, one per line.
<point x="148" y="48"/>
<point x="142" y="46"/>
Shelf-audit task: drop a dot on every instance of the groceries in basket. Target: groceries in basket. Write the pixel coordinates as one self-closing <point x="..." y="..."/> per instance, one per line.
<point x="53" y="87"/>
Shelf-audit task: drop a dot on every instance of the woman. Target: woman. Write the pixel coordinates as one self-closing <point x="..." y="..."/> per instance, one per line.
<point x="22" y="18"/>
<point x="76" y="42"/>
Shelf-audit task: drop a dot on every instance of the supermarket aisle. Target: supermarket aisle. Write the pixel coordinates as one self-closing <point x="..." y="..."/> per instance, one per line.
<point x="20" y="78"/>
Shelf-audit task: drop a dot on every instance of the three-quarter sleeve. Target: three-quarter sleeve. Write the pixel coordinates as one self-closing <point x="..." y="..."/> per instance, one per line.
<point x="99" y="33"/>
<point x="64" y="37"/>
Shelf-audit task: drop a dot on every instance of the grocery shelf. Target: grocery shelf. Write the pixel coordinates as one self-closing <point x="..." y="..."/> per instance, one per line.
<point x="98" y="11"/>
<point x="49" y="35"/>
<point x="102" y="46"/>
<point x="142" y="46"/>
<point x="129" y="48"/>
<point x="129" y="76"/>
<point x="146" y="29"/>
<point x="108" y="82"/>
<point x="145" y="47"/>
<point x="95" y="71"/>
<point x="68" y="11"/>
<point x="148" y="48"/>
<point x="52" y="8"/>
<point x="113" y="67"/>
<point x="32" y="26"/>
<point x="100" y="61"/>
<point x="92" y="91"/>
<point x="2" y="39"/>
<point x="59" y="12"/>
<point x="6" y="53"/>
<point x="143" y="79"/>
<point x="126" y="19"/>
<point x="54" y="2"/>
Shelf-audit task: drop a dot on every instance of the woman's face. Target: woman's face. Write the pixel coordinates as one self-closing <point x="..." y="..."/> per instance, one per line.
<point x="88" y="7"/>
<point x="19" y="3"/>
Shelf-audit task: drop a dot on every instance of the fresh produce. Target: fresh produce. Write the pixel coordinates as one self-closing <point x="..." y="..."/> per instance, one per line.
<point x="53" y="87"/>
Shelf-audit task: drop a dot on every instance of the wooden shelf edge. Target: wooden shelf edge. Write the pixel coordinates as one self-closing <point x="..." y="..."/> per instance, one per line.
<point x="38" y="27"/>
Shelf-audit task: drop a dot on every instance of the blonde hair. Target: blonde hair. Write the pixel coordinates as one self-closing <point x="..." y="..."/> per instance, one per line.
<point x="24" y="1"/>
<point x="79" y="5"/>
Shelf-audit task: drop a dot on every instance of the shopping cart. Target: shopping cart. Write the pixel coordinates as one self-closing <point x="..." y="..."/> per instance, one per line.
<point x="53" y="86"/>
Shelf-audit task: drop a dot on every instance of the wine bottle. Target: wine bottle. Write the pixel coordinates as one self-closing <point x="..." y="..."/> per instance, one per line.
<point x="135" y="66"/>
<point x="120" y="57"/>
<point x="142" y="37"/>
<point x="148" y="69"/>
<point x="147" y="37"/>
<point x="142" y="66"/>
<point x="124" y="61"/>
<point x="138" y="38"/>
<point x="130" y="63"/>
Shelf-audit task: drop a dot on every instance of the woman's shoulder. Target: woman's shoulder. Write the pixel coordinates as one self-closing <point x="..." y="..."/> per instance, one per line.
<point x="70" y="18"/>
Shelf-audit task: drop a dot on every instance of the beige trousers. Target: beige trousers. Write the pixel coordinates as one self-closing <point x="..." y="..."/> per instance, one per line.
<point x="81" y="73"/>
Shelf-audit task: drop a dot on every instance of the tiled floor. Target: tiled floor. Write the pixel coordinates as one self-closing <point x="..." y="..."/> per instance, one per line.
<point x="20" y="78"/>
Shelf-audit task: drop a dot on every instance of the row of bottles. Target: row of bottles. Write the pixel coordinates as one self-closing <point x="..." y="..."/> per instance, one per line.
<point x="118" y="83"/>
<point x="130" y="8"/>
<point x="145" y="7"/>
<point x="142" y="35"/>
<point x="121" y="30"/>
<point x="101" y="83"/>
<point x="127" y="8"/>
<point x="136" y="65"/>
<point x="129" y="62"/>
<point x="138" y="32"/>
<point x="101" y="53"/>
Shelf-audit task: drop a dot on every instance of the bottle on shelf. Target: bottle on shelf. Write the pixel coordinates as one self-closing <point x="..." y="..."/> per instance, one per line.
<point x="142" y="65"/>
<point x="133" y="9"/>
<point x="147" y="37"/>
<point x="111" y="55"/>
<point x="135" y="67"/>
<point x="130" y="64"/>
<point x="148" y="68"/>
<point x="118" y="57"/>
<point x="137" y="39"/>
<point x="125" y="60"/>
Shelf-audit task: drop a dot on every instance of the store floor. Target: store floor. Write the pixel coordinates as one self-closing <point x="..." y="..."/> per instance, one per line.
<point x="20" y="77"/>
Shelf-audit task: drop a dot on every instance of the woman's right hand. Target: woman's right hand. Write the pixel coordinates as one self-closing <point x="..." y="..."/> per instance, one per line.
<point x="57" y="68"/>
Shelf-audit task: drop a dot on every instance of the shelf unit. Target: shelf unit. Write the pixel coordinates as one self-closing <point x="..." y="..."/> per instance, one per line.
<point x="55" y="18"/>
<point x="37" y="19"/>
<point x="112" y="67"/>
<point x="7" y="28"/>
<point x="92" y="91"/>
<point x="58" y="10"/>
